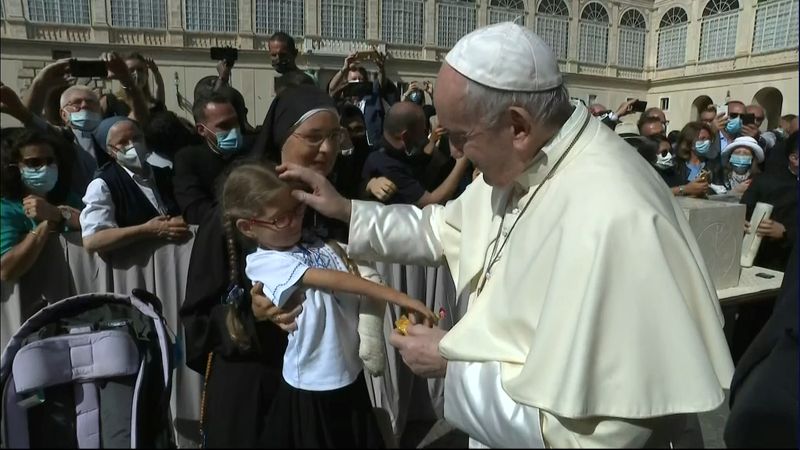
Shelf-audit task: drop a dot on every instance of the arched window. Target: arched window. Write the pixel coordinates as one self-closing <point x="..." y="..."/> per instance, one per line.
<point x="552" y="25"/>
<point x="506" y="11"/>
<point x="672" y="38"/>
<point x="139" y="13"/>
<point x="594" y="34"/>
<point x="632" y="36"/>
<point x="402" y="21"/>
<point x="718" y="32"/>
<point x="776" y="25"/>
<point x="59" y="11"/>
<point x="454" y="19"/>
<point x="212" y="15"/>
<point x="280" y="15"/>
<point x="344" y="19"/>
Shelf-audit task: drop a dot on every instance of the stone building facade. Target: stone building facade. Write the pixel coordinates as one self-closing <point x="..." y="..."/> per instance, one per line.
<point x="677" y="54"/>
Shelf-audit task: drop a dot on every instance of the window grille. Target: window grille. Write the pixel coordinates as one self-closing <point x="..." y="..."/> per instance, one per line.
<point x="402" y="21"/>
<point x="507" y="11"/>
<point x="279" y="15"/>
<point x="344" y="19"/>
<point x="776" y="25"/>
<point x="672" y="38"/>
<point x="594" y="34"/>
<point x="718" y="30"/>
<point x="552" y="25"/>
<point x="632" y="37"/>
<point x="138" y="13"/>
<point x="454" y="20"/>
<point x="221" y="16"/>
<point x="59" y="11"/>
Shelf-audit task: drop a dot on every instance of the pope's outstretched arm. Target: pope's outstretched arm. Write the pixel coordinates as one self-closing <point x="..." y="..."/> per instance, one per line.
<point x="401" y="234"/>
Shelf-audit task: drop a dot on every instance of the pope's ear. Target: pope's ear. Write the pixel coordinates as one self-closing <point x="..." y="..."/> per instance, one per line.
<point x="520" y="122"/>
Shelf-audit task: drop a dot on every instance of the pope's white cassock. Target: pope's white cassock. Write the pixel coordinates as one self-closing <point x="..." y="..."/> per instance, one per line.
<point x="598" y="325"/>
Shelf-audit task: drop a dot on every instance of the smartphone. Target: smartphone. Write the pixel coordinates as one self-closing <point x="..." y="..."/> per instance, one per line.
<point x="357" y="89"/>
<point x="60" y="54"/>
<point x="228" y="54"/>
<point x="87" y="69"/>
<point x="748" y="119"/>
<point x="722" y="109"/>
<point x="639" y="106"/>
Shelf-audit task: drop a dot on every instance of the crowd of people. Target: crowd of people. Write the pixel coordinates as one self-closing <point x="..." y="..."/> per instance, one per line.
<point x="268" y="307"/>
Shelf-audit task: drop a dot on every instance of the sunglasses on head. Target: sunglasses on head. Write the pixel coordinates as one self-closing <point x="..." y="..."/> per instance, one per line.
<point x="38" y="162"/>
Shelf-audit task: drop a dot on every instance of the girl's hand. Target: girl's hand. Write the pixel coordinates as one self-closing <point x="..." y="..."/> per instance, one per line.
<point x="429" y="318"/>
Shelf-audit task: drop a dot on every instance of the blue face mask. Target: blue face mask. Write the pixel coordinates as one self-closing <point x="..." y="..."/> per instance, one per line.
<point x="230" y="141"/>
<point x="702" y="147"/>
<point x="40" y="180"/>
<point x="741" y="163"/>
<point x="84" y="120"/>
<point x="734" y="126"/>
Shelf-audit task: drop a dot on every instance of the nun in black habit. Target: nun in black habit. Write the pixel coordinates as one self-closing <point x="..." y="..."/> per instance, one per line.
<point x="240" y="385"/>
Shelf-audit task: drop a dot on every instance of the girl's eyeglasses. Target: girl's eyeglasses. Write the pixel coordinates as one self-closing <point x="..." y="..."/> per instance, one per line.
<point x="282" y="221"/>
<point x="38" y="162"/>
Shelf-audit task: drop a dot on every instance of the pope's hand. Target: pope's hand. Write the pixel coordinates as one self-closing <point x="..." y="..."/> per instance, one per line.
<point x="323" y="196"/>
<point x="420" y="349"/>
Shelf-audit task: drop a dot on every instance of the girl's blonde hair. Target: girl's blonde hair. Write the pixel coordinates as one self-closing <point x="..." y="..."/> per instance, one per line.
<point x="248" y="188"/>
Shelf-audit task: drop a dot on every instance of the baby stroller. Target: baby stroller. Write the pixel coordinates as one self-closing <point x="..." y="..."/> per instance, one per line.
<point x="89" y="371"/>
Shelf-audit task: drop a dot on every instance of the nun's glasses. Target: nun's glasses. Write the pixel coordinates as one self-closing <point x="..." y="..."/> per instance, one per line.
<point x="337" y="136"/>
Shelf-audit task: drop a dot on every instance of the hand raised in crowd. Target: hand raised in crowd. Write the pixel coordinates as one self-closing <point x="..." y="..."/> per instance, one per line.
<point x="37" y="208"/>
<point x="323" y="196"/>
<point x="420" y="349"/>
<point x="696" y="188"/>
<point x="719" y="122"/>
<point x="381" y="188"/>
<point x="411" y="87"/>
<point x="751" y="130"/>
<point x="428" y="87"/>
<point x="117" y="69"/>
<point x="10" y="103"/>
<point x="350" y="61"/>
<point x="56" y="72"/>
<point x="380" y="58"/>
<point x="626" y="107"/>
<point x="437" y="134"/>
<point x="771" y="229"/>
<point x="264" y="309"/>
<point x="151" y="64"/>
<point x="224" y="71"/>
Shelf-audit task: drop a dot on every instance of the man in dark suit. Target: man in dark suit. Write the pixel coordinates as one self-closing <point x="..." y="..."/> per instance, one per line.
<point x="764" y="399"/>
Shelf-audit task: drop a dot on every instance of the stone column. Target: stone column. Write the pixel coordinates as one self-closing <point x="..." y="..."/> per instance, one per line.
<point x="247" y="15"/>
<point x="100" y="20"/>
<point x="374" y="18"/>
<point x="175" y="28"/>
<point x="613" y="38"/>
<point x="574" y="35"/>
<point x="313" y="26"/>
<point x="483" y="14"/>
<point x="429" y="28"/>
<point x="744" y="29"/>
<point x="14" y="15"/>
<point x="693" y="33"/>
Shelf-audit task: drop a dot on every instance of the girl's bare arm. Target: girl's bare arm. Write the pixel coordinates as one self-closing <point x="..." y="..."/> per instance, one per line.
<point x="347" y="282"/>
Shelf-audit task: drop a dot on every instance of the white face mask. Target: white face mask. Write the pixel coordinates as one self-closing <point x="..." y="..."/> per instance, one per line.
<point x="132" y="156"/>
<point x="665" y="161"/>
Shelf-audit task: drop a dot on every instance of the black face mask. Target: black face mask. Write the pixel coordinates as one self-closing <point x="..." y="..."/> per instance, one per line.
<point x="360" y="142"/>
<point x="282" y="66"/>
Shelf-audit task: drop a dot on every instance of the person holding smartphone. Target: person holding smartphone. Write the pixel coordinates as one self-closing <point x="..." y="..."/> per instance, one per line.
<point x="373" y="105"/>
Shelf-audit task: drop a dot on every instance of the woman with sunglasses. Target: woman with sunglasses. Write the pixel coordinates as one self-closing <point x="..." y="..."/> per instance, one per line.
<point x="130" y="200"/>
<point x="35" y="202"/>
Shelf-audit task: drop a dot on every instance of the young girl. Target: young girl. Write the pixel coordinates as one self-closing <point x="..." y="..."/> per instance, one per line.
<point x="323" y="401"/>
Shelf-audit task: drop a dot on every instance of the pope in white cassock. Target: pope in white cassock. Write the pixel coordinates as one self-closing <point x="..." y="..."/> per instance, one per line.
<point x="592" y="320"/>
